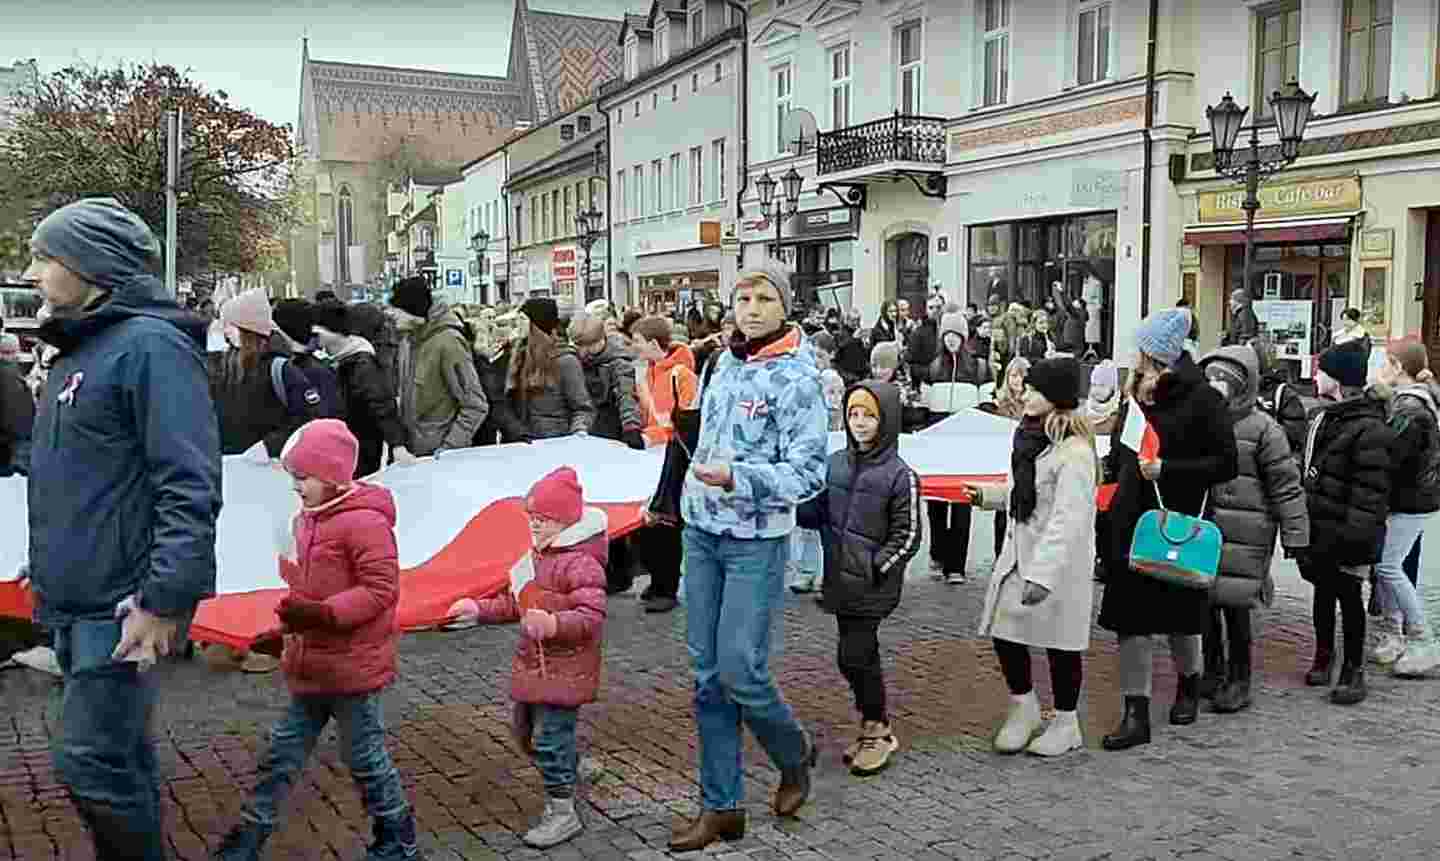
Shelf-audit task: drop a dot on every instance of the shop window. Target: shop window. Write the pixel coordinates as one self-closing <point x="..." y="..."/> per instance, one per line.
<point x="1367" y="51"/>
<point x="909" y="72"/>
<point x="1374" y="301"/>
<point x="1093" y="54"/>
<point x="1277" y="61"/>
<point x="996" y="45"/>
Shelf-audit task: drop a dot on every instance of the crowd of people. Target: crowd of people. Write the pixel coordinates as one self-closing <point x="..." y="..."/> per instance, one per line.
<point x="139" y="401"/>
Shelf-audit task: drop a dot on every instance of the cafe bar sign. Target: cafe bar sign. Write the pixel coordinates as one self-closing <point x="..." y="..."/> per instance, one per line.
<point x="1284" y="200"/>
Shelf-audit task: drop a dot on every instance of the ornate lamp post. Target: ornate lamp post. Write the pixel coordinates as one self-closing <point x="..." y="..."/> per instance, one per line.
<point x="587" y="232"/>
<point x="1292" y="113"/>
<point x="479" y="242"/>
<point x="777" y="208"/>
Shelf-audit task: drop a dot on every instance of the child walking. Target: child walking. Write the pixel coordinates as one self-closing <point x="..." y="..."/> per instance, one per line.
<point x="1041" y="593"/>
<point x="340" y="636"/>
<point x="954" y="375"/>
<point x="1265" y="498"/>
<point x="1347" y="472"/>
<point x="871" y="526"/>
<point x="557" y="661"/>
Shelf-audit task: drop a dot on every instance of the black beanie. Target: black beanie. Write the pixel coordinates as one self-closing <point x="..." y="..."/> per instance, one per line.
<point x="331" y="314"/>
<point x="1346" y="364"/>
<point x="543" y="313"/>
<point x="412" y="295"/>
<point x="1058" y="380"/>
<point x="294" y="318"/>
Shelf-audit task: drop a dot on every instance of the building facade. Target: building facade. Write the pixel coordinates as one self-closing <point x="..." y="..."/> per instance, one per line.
<point x="487" y="222"/>
<point x="674" y="118"/>
<point x="366" y="129"/>
<point x="13" y="78"/>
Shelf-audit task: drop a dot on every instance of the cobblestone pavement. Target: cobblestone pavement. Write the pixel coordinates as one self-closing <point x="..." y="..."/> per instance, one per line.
<point x="1294" y="777"/>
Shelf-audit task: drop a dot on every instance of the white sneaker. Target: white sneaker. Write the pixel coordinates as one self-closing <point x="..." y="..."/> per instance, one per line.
<point x="1390" y="648"/>
<point x="1421" y="656"/>
<point x="560" y="823"/>
<point x="937" y="571"/>
<point x="1061" y="736"/>
<point x="1021" y="723"/>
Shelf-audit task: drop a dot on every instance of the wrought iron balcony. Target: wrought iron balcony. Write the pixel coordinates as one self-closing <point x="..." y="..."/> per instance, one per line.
<point x="902" y="139"/>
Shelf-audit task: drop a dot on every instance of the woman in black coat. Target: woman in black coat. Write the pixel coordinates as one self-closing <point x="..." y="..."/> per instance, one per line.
<point x="1197" y="451"/>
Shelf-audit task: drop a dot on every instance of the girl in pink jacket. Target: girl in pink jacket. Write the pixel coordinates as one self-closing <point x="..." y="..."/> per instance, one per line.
<point x="556" y="668"/>
<point x="340" y="634"/>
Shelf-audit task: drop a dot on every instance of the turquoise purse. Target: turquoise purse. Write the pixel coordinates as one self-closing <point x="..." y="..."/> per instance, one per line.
<point x="1176" y="548"/>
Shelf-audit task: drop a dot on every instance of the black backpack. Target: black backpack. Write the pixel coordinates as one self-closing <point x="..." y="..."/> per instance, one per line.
<point x="1293" y="412"/>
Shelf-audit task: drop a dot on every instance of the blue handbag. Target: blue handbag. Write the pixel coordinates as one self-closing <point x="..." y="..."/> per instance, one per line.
<point x="1176" y="548"/>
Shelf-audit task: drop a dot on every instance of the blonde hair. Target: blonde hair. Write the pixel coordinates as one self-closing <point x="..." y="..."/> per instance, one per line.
<point x="1003" y="395"/>
<point x="1060" y="425"/>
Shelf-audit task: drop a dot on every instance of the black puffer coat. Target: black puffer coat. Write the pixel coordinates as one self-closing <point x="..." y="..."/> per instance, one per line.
<point x="610" y="379"/>
<point x="501" y="424"/>
<point x="1265" y="498"/>
<point x="371" y="412"/>
<point x="871" y="518"/>
<point x="1347" y="482"/>
<point x="1197" y="451"/>
<point x="1413" y="419"/>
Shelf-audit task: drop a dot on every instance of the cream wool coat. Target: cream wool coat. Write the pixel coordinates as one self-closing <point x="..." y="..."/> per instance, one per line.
<point x="1056" y="549"/>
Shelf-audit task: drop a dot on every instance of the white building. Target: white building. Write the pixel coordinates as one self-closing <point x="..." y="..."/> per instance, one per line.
<point x="13" y="78"/>
<point x="484" y="192"/>
<point x="674" y="118"/>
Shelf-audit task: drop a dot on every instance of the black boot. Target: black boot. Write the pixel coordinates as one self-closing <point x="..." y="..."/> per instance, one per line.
<point x="1134" y="726"/>
<point x="1235" y="696"/>
<point x="394" y="839"/>
<point x="1350" y="689"/>
<point x="1214" y="678"/>
<point x="1187" y="701"/>
<point x="1319" y="675"/>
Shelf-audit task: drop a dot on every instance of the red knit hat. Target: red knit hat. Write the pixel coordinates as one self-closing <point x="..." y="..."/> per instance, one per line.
<point x="558" y="497"/>
<point x="323" y="449"/>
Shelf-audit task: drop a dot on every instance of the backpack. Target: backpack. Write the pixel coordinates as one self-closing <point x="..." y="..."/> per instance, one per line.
<point x="277" y="380"/>
<point x="1293" y="411"/>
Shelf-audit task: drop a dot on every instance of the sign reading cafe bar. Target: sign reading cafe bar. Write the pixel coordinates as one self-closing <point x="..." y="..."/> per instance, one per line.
<point x="1285" y="199"/>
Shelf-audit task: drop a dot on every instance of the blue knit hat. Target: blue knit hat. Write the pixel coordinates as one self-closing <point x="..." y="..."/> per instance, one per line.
<point x="1162" y="335"/>
<point x="99" y="240"/>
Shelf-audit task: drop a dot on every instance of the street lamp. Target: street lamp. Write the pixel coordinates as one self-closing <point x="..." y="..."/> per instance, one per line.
<point x="777" y="208"/>
<point x="1292" y="107"/>
<point x="587" y="232"/>
<point x="479" y="242"/>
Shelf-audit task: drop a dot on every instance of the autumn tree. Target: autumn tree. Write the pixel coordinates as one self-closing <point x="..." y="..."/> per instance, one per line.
<point x="88" y="131"/>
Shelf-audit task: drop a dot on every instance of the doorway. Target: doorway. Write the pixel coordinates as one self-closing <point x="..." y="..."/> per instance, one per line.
<point x="911" y="255"/>
<point x="1432" y="287"/>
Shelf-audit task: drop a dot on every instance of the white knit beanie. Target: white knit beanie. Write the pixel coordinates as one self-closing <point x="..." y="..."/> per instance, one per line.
<point x="249" y="311"/>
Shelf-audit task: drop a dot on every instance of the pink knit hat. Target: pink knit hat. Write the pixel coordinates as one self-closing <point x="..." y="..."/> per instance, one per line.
<point x="323" y="449"/>
<point x="249" y="311"/>
<point x="558" y="497"/>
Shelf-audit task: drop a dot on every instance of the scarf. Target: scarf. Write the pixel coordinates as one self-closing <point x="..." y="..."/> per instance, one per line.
<point x="1100" y="411"/>
<point x="1030" y="441"/>
<point x="744" y="347"/>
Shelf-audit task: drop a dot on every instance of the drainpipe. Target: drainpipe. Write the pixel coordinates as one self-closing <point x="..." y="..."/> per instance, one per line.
<point x="744" y="183"/>
<point x="1147" y="180"/>
<point x="609" y="233"/>
<point x="509" y="228"/>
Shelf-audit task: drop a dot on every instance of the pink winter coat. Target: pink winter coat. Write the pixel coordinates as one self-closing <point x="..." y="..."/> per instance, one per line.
<point x="570" y="577"/>
<point x="345" y="556"/>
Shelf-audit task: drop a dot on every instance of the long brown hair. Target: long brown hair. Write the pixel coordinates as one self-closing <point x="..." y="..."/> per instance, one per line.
<point x="242" y="361"/>
<point x="536" y="369"/>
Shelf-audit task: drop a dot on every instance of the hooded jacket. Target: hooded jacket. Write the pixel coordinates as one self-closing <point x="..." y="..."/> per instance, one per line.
<point x="369" y="403"/>
<point x="124" y="485"/>
<point x="1265" y="498"/>
<point x="870" y="517"/>
<point x="610" y="379"/>
<point x="1348" y="474"/>
<point x="570" y="582"/>
<point x="449" y="404"/>
<point x="764" y="416"/>
<point x="1415" y="419"/>
<point x="345" y="556"/>
<point x="659" y="385"/>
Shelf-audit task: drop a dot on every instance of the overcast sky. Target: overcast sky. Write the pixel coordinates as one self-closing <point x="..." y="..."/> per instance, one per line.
<point x="251" y="48"/>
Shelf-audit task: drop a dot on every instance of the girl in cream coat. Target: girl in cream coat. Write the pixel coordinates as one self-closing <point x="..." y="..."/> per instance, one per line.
<point x="1041" y="592"/>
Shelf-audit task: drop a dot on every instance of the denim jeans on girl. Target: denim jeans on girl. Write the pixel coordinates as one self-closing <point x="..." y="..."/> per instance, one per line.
<point x="1399" y="599"/>
<point x="362" y="747"/>
<point x="554" y="742"/>
<point x="806" y="559"/>
<point x="102" y="750"/>
<point x="733" y="588"/>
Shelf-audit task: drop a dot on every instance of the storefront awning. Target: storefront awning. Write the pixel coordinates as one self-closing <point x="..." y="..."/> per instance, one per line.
<point x="685" y="260"/>
<point x="1287" y="230"/>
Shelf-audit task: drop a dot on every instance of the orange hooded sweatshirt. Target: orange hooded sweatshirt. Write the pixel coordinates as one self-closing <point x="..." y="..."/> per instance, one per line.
<point x="658" y="388"/>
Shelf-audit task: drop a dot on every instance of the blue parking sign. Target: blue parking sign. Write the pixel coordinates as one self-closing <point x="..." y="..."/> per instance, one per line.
<point x="454" y="278"/>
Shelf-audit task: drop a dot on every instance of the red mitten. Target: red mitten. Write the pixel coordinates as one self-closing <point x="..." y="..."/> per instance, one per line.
<point x="302" y="614"/>
<point x="539" y="625"/>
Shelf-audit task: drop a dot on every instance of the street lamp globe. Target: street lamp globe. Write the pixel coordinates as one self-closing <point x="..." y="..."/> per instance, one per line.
<point x="1292" y="114"/>
<point x="792" y="182"/>
<point x="582" y="222"/>
<point x="766" y="186"/>
<point x="1225" y="121"/>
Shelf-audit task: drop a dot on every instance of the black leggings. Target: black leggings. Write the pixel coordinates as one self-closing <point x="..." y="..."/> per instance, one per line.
<point x="858" y="656"/>
<point x="949" y="535"/>
<point x="658" y="548"/>
<point x="1067" y="672"/>
<point x="1332" y="587"/>
<point x="1230" y="624"/>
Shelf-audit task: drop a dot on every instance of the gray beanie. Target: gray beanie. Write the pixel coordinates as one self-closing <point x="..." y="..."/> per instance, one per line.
<point x="99" y="240"/>
<point x="774" y="276"/>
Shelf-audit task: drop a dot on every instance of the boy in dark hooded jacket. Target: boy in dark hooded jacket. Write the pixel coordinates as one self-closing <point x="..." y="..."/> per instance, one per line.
<point x="1267" y="496"/>
<point x="870" y="522"/>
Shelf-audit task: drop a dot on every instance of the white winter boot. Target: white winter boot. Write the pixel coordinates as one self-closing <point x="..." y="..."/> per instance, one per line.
<point x="1021" y="723"/>
<point x="1060" y="737"/>
<point x="1390" y="645"/>
<point x="1421" y="656"/>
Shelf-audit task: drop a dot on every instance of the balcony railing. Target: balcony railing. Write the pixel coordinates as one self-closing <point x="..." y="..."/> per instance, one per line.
<point x="898" y="138"/>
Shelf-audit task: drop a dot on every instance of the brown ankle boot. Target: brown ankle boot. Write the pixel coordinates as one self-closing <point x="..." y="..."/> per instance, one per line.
<point x="710" y="826"/>
<point x="794" y="789"/>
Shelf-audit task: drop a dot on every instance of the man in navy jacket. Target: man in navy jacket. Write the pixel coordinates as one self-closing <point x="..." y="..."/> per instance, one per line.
<point x="124" y="493"/>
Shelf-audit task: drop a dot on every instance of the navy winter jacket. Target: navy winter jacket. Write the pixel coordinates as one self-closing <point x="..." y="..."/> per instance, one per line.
<point x="124" y="488"/>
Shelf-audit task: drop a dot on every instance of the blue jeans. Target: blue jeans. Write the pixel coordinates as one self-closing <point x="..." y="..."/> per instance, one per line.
<point x="555" y="755"/>
<point x="362" y="747"/>
<point x="1399" y="599"/>
<point x="102" y="749"/>
<point x="806" y="558"/>
<point x="733" y="588"/>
